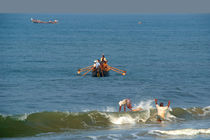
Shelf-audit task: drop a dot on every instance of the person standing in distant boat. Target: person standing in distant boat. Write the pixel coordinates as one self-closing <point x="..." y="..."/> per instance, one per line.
<point x="125" y="102"/>
<point x="161" y="110"/>
<point x="103" y="59"/>
<point x="105" y="65"/>
<point x="94" y="65"/>
<point x="97" y="64"/>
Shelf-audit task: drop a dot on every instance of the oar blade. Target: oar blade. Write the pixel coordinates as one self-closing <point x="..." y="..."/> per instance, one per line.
<point x="78" y="72"/>
<point x="118" y="70"/>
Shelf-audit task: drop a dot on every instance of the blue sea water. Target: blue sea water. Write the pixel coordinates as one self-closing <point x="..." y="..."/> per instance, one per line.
<point x="166" y="57"/>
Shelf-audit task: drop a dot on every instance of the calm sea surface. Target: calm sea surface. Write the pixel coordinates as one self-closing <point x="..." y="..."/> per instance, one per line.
<point x="166" y="57"/>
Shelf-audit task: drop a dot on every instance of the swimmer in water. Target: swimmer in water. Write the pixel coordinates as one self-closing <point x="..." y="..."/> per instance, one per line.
<point x="161" y="110"/>
<point x="137" y="109"/>
<point x="125" y="102"/>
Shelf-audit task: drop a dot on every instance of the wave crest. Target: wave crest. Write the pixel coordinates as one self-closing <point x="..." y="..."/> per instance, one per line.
<point x="43" y="122"/>
<point x="180" y="132"/>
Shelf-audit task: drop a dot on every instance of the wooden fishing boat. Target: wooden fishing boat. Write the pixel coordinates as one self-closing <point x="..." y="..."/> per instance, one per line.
<point x="100" y="69"/>
<point x="99" y="73"/>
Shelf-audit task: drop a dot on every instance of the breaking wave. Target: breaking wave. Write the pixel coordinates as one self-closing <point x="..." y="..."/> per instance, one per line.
<point x="180" y="132"/>
<point x="43" y="122"/>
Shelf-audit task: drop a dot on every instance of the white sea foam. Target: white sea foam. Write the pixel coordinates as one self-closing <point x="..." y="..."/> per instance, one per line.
<point x="108" y="136"/>
<point x="23" y="117"/>
<point x="93" y="137"/>
<point x="113" y="136"/>
<point x="206" y="111"/>
<point x="125" y="119"/>
<point x="180" y="132"/>
<point x="3" y="115"/>
<point x="135" y="135"/>
<point x="146" y="105"/>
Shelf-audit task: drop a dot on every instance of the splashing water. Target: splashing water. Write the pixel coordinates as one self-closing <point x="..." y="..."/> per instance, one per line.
<point x="145" y="105"/>
<point x="180" y="132"/>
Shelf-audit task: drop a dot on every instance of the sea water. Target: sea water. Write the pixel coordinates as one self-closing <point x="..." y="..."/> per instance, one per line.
<point x="166" y="57"/>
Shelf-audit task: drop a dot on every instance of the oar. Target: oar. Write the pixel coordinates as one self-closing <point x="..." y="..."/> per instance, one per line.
<point x="118" y="70"/>
<point x="87" y="71"/>
<point x="87" y="67"/>
<point x="84" y="69"/>
<point x="123" y="73"/>
<point x="79" y="71"/>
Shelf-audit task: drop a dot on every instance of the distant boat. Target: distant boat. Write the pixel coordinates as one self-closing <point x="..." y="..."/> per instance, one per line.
<point x="139" y="22"/>
<point x="48" y="22"/>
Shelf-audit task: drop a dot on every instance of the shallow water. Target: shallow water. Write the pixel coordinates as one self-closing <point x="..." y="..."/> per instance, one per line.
<point x="166" y="57"/>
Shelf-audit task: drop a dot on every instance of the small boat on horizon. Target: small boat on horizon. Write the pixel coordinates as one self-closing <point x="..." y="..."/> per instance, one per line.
<point x="47" y="22"/>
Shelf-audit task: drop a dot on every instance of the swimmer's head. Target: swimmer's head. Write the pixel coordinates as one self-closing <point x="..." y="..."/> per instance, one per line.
<point x="161" y="104"/>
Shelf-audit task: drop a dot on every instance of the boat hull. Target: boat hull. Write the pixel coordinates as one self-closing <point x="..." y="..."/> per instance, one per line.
<point x="98" y="73"/>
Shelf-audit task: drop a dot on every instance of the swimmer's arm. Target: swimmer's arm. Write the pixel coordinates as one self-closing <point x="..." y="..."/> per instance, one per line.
<point x="169" y="103"/>
<point x="155" y="101"/>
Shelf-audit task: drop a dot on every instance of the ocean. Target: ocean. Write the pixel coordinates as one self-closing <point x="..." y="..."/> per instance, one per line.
<point x="166" y="57"/>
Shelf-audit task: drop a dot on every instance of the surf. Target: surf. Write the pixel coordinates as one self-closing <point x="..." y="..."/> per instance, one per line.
<point x="44" y="122"/>
<point x="180" y="132"/>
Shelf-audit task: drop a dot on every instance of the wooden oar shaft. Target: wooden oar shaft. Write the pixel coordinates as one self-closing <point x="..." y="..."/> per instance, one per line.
<point x="123" y="73"/>
<point x="117" y="69"/>
<point x="86" y="67"/>
<point x="87" y="72"/>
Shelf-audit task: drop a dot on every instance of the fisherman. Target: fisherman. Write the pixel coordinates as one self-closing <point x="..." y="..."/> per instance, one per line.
<point x="125" y="102"/>
<point x="94" y="65"/>
<point x="105" y="65"/>
<point x="161" y="110"/>
<point x="103" y="59"/>
<point x="97" y="64"/>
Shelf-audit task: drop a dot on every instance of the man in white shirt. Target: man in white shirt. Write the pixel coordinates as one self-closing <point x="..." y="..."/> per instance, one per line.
<point x="125" y="102"/>
<point x="97" y="64"/>
<point x="161" y="110"/>
<point x="94" y="65"/>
